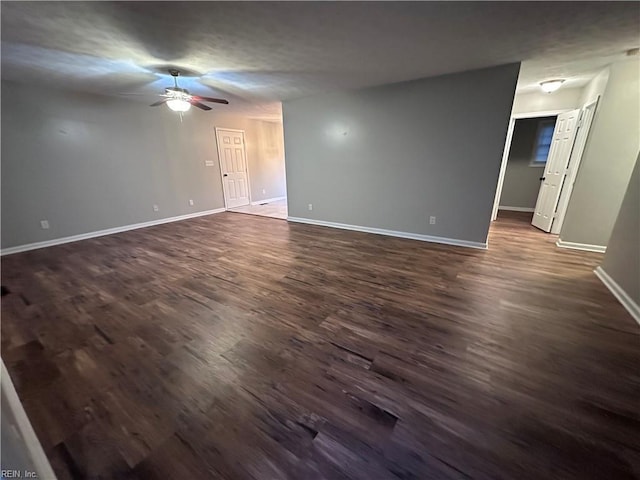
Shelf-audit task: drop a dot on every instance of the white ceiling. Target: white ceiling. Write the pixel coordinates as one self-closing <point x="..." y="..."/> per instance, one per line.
<point x="258" y="53"/>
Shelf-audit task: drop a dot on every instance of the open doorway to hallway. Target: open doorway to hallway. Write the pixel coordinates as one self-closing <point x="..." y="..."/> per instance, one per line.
<point x="540" y="164"/>
<point x="252" y="168"/>
<point x="528" y="155"/>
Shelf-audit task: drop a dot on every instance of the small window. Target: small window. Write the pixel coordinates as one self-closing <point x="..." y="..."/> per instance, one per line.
<point x="542" y="146"/>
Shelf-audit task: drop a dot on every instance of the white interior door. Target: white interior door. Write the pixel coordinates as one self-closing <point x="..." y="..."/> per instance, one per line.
<point x="584" y="126"/>
<point x="555" y="169"/>
<point x="233" y="167"/>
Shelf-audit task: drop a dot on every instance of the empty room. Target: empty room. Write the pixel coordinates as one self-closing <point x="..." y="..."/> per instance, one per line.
<point x="320" y="240"/>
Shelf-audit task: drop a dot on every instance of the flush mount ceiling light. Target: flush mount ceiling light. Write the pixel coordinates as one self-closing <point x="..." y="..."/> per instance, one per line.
<point x="551" y="85"/>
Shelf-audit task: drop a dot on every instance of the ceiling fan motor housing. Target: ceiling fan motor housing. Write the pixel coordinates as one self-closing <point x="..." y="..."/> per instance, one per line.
<point x="174" y="90"/>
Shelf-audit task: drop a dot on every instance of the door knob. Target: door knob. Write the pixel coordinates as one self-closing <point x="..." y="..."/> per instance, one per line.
<point x="541" y="178"/>
<point x="225" y="175"/>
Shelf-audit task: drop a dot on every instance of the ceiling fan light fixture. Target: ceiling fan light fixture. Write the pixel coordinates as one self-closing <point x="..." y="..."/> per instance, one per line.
<point x="180" y="100"/>
<point x="178" y="105"/>
<point x="551" y="85"/>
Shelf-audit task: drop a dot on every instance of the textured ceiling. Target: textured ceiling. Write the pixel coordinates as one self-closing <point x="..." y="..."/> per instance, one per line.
<point x="258" y="53"/>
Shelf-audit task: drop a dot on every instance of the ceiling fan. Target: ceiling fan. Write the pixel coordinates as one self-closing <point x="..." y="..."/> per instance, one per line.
<point x="180" y="100"/>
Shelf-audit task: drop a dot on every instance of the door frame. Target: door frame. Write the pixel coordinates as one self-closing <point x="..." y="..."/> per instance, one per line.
<point x="576" y="156"/>
<point x="507" y="149"/>
<point x="246" y="157"/>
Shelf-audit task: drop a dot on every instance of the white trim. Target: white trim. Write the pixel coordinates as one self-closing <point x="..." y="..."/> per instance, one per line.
<point x="547" y="113"/>
<point x="581" y="246"/>
<point x="391" y="233"/>
<point x="246" y="159"/>
<point x="268" y="200"/>
<point x="507" y="149"/>
<point x="102" y="233"/>
<point x="517" y="209"/>
<point x="230" y="129"/>
<point x="22" y="428"/>
<point x="623" y="297"/>
<point x="503" y="168"/>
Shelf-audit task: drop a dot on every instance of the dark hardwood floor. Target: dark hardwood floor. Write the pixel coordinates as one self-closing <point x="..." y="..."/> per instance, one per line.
<point x="240" y="347"/>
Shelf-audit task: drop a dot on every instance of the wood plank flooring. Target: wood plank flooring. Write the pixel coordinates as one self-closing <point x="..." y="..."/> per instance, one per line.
<point x="241" y="347"/>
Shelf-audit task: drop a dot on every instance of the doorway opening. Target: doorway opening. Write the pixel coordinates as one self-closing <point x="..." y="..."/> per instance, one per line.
<point x="252" y="169"/>
<point x="539" y="166"/>
<point x="528" y="155"/>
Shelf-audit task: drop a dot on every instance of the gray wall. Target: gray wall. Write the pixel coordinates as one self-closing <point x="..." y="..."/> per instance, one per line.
<point x="391" y="156"/>
<point x="595" y="88"/>
<point x="610" y="153"/>
<point x="521" y="180"/>
<point x="622" y="260"/>
<point x="87" y="163"/>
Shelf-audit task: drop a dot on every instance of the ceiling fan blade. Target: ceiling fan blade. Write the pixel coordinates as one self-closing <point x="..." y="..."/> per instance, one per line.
<point x="199" y="105"/>
<point x="159" y="102"/>
<point x="210" y="99"/>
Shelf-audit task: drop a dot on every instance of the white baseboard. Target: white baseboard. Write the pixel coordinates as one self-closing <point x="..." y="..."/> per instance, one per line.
<point x="108" y="231"/>
<point x="517" y="209"/>
<point x="391" y="233"/>
<point x="268" y="200"/>
<point x="581" y="246"/>
<point x="627" y="302"/>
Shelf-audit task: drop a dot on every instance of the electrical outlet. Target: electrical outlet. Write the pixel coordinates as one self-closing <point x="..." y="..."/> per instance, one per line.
<point x="264" y="191"/>
<point x="156" y="208"/>
<point x="191" y="202"/>
<point x="44" y="224"/>
<point x="310" y="206"/>
<point x="432" y="220"/>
